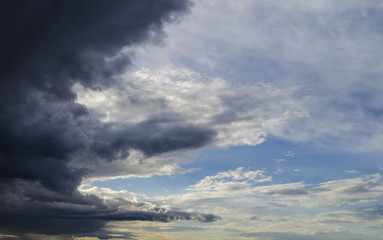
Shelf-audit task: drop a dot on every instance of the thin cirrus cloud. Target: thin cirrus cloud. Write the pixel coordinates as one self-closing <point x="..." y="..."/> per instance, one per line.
<point x="351" y="191"/>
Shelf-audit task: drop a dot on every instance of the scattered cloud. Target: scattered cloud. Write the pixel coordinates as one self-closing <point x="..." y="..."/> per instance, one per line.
<point x="290" y="154"/>
<point x="351" y="171"/>
<point x="280" y="160"/>
<point x="339" y="192"/>
<point x="239" y="181"/>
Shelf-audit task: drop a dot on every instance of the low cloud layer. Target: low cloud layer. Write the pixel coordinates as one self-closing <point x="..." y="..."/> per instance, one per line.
<point x="264" y="208"/>
<point x="252" y="204"/>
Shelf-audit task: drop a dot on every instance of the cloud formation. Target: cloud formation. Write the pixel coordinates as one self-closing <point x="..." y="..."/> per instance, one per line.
<point x="74" y="109"/>
<point x="236" y="114"/>
<point x="263" y="208"/>
<point x="46" y="48"/>
<point x="330" y="50"/>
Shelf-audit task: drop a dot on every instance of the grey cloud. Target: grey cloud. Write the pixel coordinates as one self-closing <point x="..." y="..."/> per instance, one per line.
<point x="46" y="48"/>
<point x="70" y="40"/>
<point x="150" y="137"/>
<point x="108" y="235"/>
<point x="373" y="212"/>
<point x="44" y="52"/>
<point x="288" y="192"/>
<point x="174" y="229"/>
<point x="346" y="191"/>
<point x="360" y="188"/>
<point x="159" y="216"/>
<point x="32" y="209"/>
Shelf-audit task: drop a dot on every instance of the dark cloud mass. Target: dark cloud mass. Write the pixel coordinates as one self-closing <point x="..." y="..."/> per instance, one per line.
<point x="45" y="48"/>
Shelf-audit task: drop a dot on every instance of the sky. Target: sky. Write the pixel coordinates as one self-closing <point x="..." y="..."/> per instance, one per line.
<point x="191" y="119"/>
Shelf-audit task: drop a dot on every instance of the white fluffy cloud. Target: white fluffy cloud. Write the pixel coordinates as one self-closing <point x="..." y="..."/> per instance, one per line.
<point x="233" y="181"/>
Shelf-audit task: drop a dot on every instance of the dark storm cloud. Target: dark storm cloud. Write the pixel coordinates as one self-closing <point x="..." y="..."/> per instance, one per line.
<point x="39" y="210"/>
<point x="111" y="235"/>
<point x="46" y="47"/>
<point x="150" y="137"/>
<point x="71" y="40"/>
